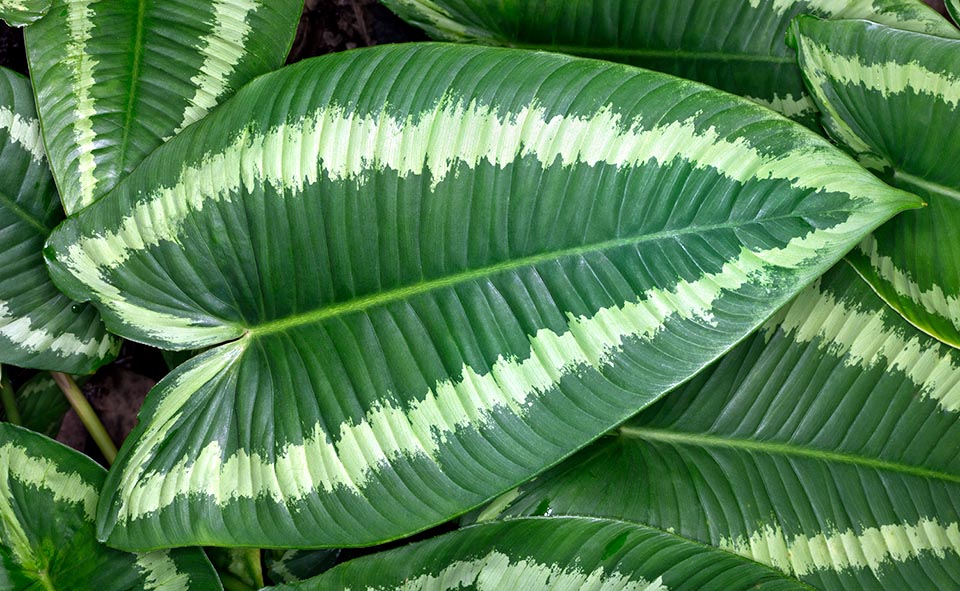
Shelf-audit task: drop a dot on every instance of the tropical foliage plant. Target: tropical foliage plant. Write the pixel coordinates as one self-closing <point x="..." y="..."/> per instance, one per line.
<point x="632" y="331"/>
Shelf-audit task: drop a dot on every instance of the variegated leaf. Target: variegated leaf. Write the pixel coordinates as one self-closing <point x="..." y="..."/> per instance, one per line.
<point x="548" y="555"/>
<point x="48" y="500"/>
<point x="734" y="45"/>
<point x="19" y="13"/>
<point x="39" y="326"/>
<point x="825" y="446"/>
<point x="116" y="79"/>
<point x="437" y="270"/>
<point x="892" y="97"/>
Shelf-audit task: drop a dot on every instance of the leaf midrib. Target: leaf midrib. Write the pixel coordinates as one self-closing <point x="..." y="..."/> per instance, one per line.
<point x="24" y="215"/>
<point x="782" y="449"/>
<point x="408" y="291"/>
<point x="925" y="184"/>
<point x="128" y="115"/>
<point x="627" y="52"/>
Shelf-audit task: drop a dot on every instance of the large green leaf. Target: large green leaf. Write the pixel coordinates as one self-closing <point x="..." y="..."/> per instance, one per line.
<point x="39" y="326"/>
<point x="114" y="79"/>
<point x="891" y="97"/>
<point x="48" y="498"/>
<point x="734" y="45"/>
<point x="440" y="269"/>
<point x="19" y="13"/>
<point x="551" y="554"/>
<point x="825" y="446"/>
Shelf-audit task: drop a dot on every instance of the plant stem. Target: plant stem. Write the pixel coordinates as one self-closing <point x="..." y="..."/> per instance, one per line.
<point x="87" y="415"/>
<point x="9" y="402"/>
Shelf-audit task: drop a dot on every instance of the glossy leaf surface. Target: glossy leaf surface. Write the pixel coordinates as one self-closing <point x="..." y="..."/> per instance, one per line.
<point x="892" y="97"/>
<point x="48" y="499"/>
<point x="116" y="79"/>
<point x="733" y="45"/>
<point x="39" y="326"/>
<point x="548" y="554"/>
<point x="19" y="13"/>
<point x="825" y="446"/>
<point x="440" y="269"/>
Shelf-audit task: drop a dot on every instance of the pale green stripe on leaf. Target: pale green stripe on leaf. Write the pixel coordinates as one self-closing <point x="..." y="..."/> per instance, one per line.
<point x="19" y="13"/>
<point x="787" y="105"/>
<point x="496" y="571"/>
<point x="230" y="30"/>
<point x="871" y="548"/>
<point x="21" y="329"/>
<point x="389" y="432"/>
<point x="24" y="132"/>
<point x="160" y="572"/>
<point x="405" y="146"/>
<point x="80" y="16"/>
<point x="933" y="299"/>
<point x="864" y="339"/>
<point x="886" y="78"/>
<point x="19" y="464"/>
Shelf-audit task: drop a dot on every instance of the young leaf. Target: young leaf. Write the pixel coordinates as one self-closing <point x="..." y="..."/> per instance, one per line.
<point x="547" y="554"/>
<point x="19" y="13"/>
<point x="116" y="79"/>
<point x="733" y="45"/>
<point x="48" y="498"/>
<point x="39" y="326"/>
<point x="440" y="269"/>
<point x="891" y="97"/>
<point x="824" y="446"/>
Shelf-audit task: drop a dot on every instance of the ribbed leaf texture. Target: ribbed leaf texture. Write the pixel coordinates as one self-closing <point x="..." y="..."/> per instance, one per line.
<point x="891" y="97"/>
<point x="48" y="499"/>
<point x="19" y="13"/>
<point x="824" y="446"/>
<point x="437" y="270"/>
<point x="39" y="326"/>
<point x="733" y="45"/>
<point x="548" y="554"/>
<point x="116" y="79"/>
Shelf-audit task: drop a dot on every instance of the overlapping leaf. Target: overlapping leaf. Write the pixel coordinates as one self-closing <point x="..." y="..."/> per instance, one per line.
<point x="19" y="13"/>
<point x="547" y="554"/>
<point x="825" y="446"/>
<point x="116" y="79"/>
<point x="892" y="97"/>
<point x="734" y="45"/>
<point x="41" y="405"/>
<point x="48" y="499"/>
<point x="39" y="326"/>
<point x="440" y="269"/>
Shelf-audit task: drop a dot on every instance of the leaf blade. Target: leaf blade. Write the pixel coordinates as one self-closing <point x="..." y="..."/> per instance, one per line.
<point x="39" y="327"/>
<point x="730" y="45"/>
<point x="48" y="498"/>
<point x="887" y="94"/>
<point x="443" y="320"/>
<point x="820" y="446"/>
<point x="134" y="74"/>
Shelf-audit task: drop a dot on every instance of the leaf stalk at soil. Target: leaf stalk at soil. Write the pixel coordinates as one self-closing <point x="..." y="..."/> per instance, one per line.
<point x="87" y="415"/>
